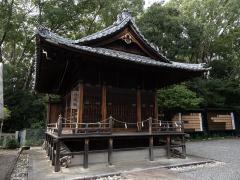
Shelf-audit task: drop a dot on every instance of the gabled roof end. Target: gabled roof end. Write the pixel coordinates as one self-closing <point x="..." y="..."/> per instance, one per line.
<point x="123" y="15"/>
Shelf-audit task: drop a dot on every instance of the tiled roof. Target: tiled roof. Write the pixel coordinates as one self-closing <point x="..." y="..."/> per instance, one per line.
<point x="127" y="57"/>
<point x="123" y="19"/>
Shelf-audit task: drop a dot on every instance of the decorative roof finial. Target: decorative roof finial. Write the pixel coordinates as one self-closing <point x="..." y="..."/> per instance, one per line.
<point x="123" y="15"/>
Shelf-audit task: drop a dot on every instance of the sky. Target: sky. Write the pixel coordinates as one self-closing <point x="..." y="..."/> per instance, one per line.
<point x="150" y="2"/>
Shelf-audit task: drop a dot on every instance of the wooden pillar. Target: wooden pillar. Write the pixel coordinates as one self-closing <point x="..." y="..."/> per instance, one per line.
<point x="57" y="157"/>
<point x="85" y="156"/>
<point x="66" y="108"/>
<point x="49" y="112"/>
<point x="81" y="105"/>
<point x="53" y="154"/>
<point x="150" y="125"/>
<point x="48" y="146"/>
<point x="156" y="106"/>
<point x="139" y="109"/>
<point x="151" y="158"/>
<point x="104" y="102"/>
<point x="50" y="152"/>
<point x="46" y="143"/>
<point x="110" y="148"/>
<point x="183" y="146"/>
<point x="168" y="146"/>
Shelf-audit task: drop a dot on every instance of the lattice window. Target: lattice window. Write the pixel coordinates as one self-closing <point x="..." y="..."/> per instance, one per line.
<point x="121" y="104"/>
<point x="147" y="100"/>
<point x="92" y="104"/>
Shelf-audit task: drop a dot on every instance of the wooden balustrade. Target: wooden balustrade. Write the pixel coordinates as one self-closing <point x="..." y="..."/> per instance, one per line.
<point x="154" y="126"/>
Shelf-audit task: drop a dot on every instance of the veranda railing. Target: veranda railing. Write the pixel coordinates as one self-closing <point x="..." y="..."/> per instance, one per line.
<point x="106" y="126"/>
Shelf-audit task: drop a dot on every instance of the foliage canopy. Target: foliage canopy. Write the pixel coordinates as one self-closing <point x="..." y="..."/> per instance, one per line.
<point x="198" y="31"/>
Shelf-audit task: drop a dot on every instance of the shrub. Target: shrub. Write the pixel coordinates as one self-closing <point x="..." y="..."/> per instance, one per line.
<point x="34" y="142"/>
<point x="11" y="144"/>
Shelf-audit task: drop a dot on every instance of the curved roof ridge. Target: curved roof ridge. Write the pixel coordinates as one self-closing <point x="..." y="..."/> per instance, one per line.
<point x="122" y="20"/>
<point x="47" y="33"/>
<point x="106" y="31"/>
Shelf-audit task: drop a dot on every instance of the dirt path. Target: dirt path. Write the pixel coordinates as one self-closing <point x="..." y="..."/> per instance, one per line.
<point x="7" y="160"/>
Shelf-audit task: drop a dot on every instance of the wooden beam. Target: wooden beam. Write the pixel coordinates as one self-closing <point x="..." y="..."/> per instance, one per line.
<point x="156" y="106"/>
<point x="81" y="105"/>
<point x="85" y="156"/>
<point x="139" y="109"/>
<point x="104" y="102"/>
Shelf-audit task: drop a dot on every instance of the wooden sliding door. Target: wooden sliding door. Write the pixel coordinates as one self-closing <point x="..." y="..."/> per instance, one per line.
<point x="121" y="104"/>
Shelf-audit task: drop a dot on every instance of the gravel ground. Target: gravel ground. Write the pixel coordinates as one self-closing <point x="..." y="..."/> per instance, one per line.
<point x="111" y="178"/>
<point x="20" y="171"/>
<point x="7" y="160"/>
<point x="225" y="152"/>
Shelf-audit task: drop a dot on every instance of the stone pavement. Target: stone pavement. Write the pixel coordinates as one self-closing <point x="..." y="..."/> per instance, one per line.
<point x="155" y="174"/>
<point x="226" y="151"/>
<point x="7" y="161"/>
<point x="41" y="169"/>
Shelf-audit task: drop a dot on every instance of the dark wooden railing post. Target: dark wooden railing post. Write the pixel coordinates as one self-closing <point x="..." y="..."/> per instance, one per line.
<point x="150" y="125"/>
<point x="85" y="156"/>
<point x="110" y="148"/>
<point x="60" y="125"/>
<point x="110" y="123"/>
<point x="182" y="123"/>
<point x="151" y="148"/>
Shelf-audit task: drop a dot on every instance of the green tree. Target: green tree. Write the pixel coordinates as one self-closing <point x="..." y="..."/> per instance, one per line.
<point x="178" y="97"/>
<point x="7" y="113"/>
<point x="18" y="21"/>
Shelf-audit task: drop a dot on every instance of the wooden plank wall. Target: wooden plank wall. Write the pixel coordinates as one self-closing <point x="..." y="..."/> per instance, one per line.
<point x="92" y="104"/>
<point x="71" y="108"/>
<point x="220" y="121"/>
<point x="122" y="105"/>
<point x="192" y="121"/>
<point x="54" y="109"/>
<point x="148" y="105"/>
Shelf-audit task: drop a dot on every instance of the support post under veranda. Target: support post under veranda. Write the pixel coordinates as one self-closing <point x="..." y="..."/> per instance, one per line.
<point x="57" y="156"/>
<point x="168" y="146"/>
<point x="85" y="155"/>
<point x="151" y="157"/>
<point x="110" y="149"/>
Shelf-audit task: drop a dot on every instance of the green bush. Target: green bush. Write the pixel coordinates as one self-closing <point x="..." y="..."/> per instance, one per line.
<point x="11" y="144"/>
<point x="34" y="142"/>
<point x="34" y="137"/>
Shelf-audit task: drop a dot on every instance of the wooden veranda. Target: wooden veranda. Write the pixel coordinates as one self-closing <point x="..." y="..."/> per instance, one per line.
<point x="58" y="133"/>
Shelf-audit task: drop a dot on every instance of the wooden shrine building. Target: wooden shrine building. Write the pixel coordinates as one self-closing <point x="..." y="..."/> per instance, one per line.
<point x="107" y="82"/>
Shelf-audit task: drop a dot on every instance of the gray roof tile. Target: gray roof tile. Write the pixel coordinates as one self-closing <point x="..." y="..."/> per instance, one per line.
<point x="58" y="40"/>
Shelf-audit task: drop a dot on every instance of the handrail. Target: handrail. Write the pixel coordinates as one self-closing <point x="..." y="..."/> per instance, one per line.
<point x="106" y="125"/>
